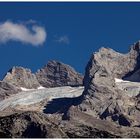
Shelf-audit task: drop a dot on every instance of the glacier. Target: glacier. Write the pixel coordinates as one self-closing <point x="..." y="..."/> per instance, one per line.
<point x="32" y="96"/>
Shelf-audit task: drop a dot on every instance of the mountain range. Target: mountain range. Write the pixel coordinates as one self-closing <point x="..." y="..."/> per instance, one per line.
<point x="58" y="102"/>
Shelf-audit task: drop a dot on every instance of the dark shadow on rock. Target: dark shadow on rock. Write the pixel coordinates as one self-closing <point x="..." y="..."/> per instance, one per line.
<point x="123" y="121"/>
<point x="33" y="131"/>
<point x="105" y="114"/>
<point x="137" y="126"/>
<point x="4" y="135"/>
<point x="62" y="105"/>
<point x="76" y="85"/>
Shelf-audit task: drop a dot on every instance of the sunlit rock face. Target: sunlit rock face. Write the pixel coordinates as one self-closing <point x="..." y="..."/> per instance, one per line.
<point x="21" y="77"/>
<point x="6" y="89"/>
<point x="56" y="74"/>
<point x="103" y="97"/>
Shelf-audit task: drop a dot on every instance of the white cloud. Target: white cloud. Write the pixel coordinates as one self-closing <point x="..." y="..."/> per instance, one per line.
<point x="63" y="39"/>
<point x="10" y="31"/>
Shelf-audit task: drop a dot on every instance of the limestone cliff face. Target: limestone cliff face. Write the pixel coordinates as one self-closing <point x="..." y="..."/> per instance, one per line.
<point x="101" y="97"/>
<point x="116" y="64"/>
<point x="58" y="74"/>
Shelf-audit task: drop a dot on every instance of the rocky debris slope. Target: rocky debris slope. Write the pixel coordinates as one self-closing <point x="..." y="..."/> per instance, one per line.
<point x="56" y="74"/>
<point x="29" y="125"/>
<point x="21" y="77"/>
<point x="102" y="98"/>
<point x="81" y="125"/>
<point x="38" y="125"/>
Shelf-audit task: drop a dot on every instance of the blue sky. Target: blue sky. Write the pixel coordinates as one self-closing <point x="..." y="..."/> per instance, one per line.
<point x="73" y="32"/>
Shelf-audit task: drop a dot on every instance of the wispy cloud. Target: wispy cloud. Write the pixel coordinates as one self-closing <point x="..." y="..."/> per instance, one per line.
<point x="10" y="31"/>
<point x="63" y="39"/>
<point x="31" y="21"/>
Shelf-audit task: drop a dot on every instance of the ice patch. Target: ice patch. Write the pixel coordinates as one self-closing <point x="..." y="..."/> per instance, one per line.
<point x="33" y="96"/>
<point x="131" y="89"/>
<point x="41" y="87"/>
<point x="26" y="89"/>
<point x="120" y="81"/>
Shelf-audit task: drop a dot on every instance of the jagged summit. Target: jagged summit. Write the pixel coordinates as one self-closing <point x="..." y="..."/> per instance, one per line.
<point x="55" y="62"/>
<point x="21" y="77"/>
<point x="58" y="74"/>
<point x="118" y="64"/>
<point x="53" y="74"/>
<point x="109" y="51"/>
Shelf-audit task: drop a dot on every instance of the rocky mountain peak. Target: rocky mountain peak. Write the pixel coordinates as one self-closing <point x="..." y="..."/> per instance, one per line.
<point x="58" y="74"/>
<point x="53" y="74"/>
<point x="117" y="64"/>
<point x="21" y="77"/>
<point x="102" y="97"/>
<point x="107" y="63"/>
<point x="106" y="50"/>
<point x="108" y="107"/>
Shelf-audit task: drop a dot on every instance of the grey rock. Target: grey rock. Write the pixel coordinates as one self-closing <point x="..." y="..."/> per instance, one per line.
<point x="21" y="77"/>
<point x="116" y="64"/>
<point x="131" y="89"/>
<point x="102" y="98"/>
<point x="105" y="108"/>
<point x="29" y="125"/>
<point x="83" y="125"/>
<point x="7" y="89"/>
<point x="56" y="74"/>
